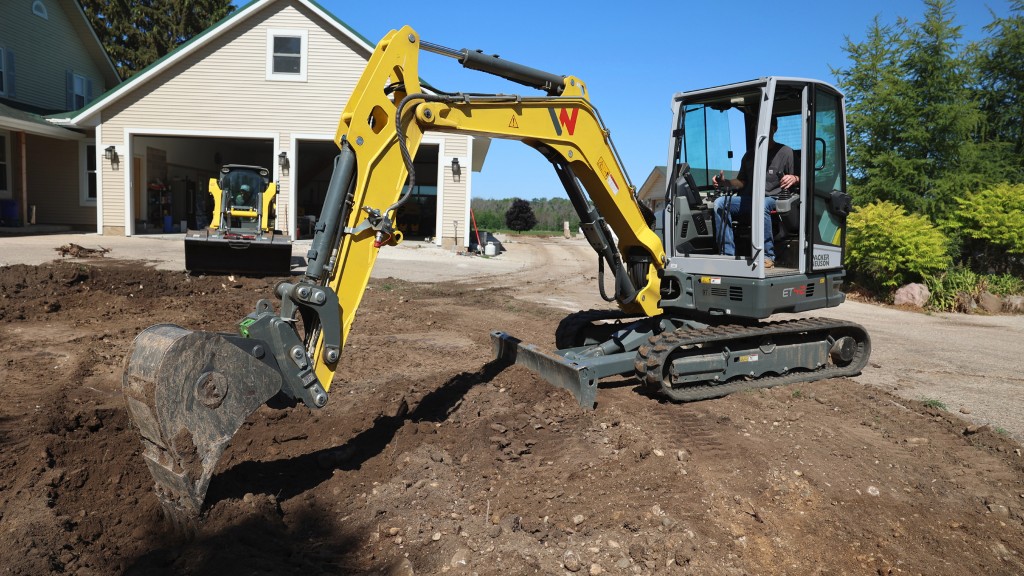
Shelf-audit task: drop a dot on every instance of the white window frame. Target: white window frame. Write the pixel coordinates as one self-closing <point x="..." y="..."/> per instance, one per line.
<point x="5" y="187"/>
<point x="3" y="71"/>
<point x="83" y="159"/>
<point x="39" y="9"/>
<point x="303" y="36"/>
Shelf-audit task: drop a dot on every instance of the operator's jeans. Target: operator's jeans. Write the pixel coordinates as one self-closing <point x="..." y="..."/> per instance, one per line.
<point x="740" y="205"/>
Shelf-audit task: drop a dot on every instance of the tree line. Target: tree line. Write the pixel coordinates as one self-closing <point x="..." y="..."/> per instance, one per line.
<point x="549" y="213"/>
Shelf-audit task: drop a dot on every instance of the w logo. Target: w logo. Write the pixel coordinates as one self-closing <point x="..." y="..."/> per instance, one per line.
<point x="566" y="118"/>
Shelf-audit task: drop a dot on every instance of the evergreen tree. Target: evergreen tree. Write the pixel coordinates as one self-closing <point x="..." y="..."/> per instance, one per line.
<point x="137" y="33"/>
<point x="912" y="114"/>
<point x="520" y="216"/>
<point x="1001" y="80"/>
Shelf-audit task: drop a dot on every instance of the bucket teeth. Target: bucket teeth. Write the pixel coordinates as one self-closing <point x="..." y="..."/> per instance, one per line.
<point x="189" y="393"/>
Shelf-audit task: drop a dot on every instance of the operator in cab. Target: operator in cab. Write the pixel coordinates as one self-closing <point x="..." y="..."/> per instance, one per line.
<point x="780" y="177"/>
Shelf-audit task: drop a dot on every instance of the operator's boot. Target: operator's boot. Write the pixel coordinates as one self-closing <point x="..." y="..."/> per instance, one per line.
<point x="188" y="393"/>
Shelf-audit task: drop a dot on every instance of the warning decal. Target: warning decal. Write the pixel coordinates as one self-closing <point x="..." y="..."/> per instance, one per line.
<point x="512" y="123"/>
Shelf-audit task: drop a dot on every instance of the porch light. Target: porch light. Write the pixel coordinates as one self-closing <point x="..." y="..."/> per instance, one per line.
<point x="456" y="170"/>
<point x="110" y="153"/>
<point x="282" y="161"/>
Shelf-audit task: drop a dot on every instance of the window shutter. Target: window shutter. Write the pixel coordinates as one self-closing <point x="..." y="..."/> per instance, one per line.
<point x="88" y="90"/>
<point x="9" y="71"/>
<point x="70" y="90"/>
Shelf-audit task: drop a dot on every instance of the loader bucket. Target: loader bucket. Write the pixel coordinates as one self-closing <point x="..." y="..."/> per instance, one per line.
<point x="188" y="393"/>
<point x="269" y="255"/>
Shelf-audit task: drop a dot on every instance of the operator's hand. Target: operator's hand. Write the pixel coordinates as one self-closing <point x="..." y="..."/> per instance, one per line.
<point x="788" y="181"/>
<point x="719" y="179"/>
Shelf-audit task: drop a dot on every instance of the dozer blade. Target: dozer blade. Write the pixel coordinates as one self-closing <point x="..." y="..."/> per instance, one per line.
<point x="212" y="254"/>
<point x="188" y="393"/>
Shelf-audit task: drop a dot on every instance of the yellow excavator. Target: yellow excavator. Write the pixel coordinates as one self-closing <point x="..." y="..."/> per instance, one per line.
<point x="241" y="237"/>
<point x="689" y="316"/>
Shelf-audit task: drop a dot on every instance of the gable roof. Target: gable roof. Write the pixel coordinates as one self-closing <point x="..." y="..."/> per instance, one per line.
<point x="88" y="116"/>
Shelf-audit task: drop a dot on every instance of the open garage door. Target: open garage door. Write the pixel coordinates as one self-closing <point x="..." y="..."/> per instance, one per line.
<point x="170" y="176"/>
<point x="417" y="218"/>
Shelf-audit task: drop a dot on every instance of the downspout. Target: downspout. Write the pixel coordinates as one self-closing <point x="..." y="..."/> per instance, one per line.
<point x="24" y="178"/>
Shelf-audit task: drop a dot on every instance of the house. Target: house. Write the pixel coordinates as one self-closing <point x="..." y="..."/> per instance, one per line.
<point x="265" y="86"/>
<point x="652" y="193"/>
<point x="48" y="172"/>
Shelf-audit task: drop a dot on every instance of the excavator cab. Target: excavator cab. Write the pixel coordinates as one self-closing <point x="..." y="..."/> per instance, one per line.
<point x="738" y="128"/>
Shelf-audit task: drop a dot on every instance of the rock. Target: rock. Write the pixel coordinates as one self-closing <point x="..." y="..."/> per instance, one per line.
<point x="915" y="295"/>
<point x="1014" y="304"/>
<point x="460" y="558"/>
<point x="494" y="531"/>
<point x="975" y="428"/>
<point x="571" y="561"/>
<point x="401" y="568"/>
<point x="436" y="536"/>
<point x="623" y="563"/>
<point x="578" y="519"/>
<point x="596" y="570"/>
<point x="990" y="303"/>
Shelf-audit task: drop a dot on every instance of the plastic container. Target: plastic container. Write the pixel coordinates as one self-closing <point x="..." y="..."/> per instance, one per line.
<point x="168" y="225"/>
<point x="10" y="212"/>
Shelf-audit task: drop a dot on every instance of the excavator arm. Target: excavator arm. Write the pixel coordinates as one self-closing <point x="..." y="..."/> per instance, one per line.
<point x="189" y="392"/>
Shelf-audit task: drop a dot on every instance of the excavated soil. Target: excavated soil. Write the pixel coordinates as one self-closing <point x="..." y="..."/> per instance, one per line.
<point x="431" y="459"/>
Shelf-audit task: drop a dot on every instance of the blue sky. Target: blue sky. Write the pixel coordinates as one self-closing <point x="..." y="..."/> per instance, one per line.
<point x="634" y="56"/>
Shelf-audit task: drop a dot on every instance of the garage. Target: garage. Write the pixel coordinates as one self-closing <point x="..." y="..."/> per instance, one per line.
<point x="162" y="134"/>
<point x="417" y="217"/>
<point x="171" y="177"/>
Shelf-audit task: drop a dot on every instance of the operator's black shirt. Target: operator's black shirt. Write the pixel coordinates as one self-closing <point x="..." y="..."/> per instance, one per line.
<point x="780" y="163"/>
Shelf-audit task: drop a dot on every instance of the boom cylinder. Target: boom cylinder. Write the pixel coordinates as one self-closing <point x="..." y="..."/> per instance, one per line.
<point x="334" y="213"/>
<point x="553" y="84"/>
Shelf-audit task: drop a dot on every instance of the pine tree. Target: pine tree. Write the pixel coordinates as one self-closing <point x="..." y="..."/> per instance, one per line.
<point x="137" y="33"/>
<point x="1001" y="81"/>
<point x="913" y="115"/>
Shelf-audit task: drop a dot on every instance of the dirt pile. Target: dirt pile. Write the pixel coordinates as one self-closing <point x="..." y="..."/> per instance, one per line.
<point x="431" y="459"/>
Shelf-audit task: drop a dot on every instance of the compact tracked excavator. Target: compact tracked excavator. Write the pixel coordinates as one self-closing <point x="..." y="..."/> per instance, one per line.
<point x="688" y="321"/>
<point x="241" y="237"/>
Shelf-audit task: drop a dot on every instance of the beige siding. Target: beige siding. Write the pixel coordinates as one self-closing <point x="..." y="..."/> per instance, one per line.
<point x="453" y="209"/>
<point x="41" y="66"/>
<point x="54" y="169"/>
<point x="223" y="87"/>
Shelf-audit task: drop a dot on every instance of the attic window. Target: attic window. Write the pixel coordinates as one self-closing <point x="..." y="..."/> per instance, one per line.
<point x="286" y="55"/>
<point x="39" y="9"/>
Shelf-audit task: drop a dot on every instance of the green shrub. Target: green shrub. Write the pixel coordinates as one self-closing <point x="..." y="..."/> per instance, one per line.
<point x="1004" y="284"/>
<point x="990" y="226"/>
<point x="887" y="248"/>
<point x="945" y="288"/>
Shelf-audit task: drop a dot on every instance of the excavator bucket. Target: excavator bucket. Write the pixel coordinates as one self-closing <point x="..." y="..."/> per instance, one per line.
<point x="188" y="393"/>
<point x="216" y="253"/>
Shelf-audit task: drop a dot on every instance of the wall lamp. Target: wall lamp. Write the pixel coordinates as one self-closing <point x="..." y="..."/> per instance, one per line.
<point x="456" y="170"/>
<point x="110" y="153"/>
<point x="282" y="161"/>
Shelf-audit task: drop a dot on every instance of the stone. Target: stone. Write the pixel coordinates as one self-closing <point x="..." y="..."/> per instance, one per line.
<point x="571" y="561"/>
<point x="1014" y="304"/>
<point x="990" y="303"/>
<point x="915" y="295"/>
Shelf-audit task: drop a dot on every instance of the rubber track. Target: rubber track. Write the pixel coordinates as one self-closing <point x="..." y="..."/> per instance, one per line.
<point x="651" y="357"/>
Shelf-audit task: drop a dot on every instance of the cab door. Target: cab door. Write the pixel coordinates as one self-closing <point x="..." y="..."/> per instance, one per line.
<point x="831" y="204"/>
